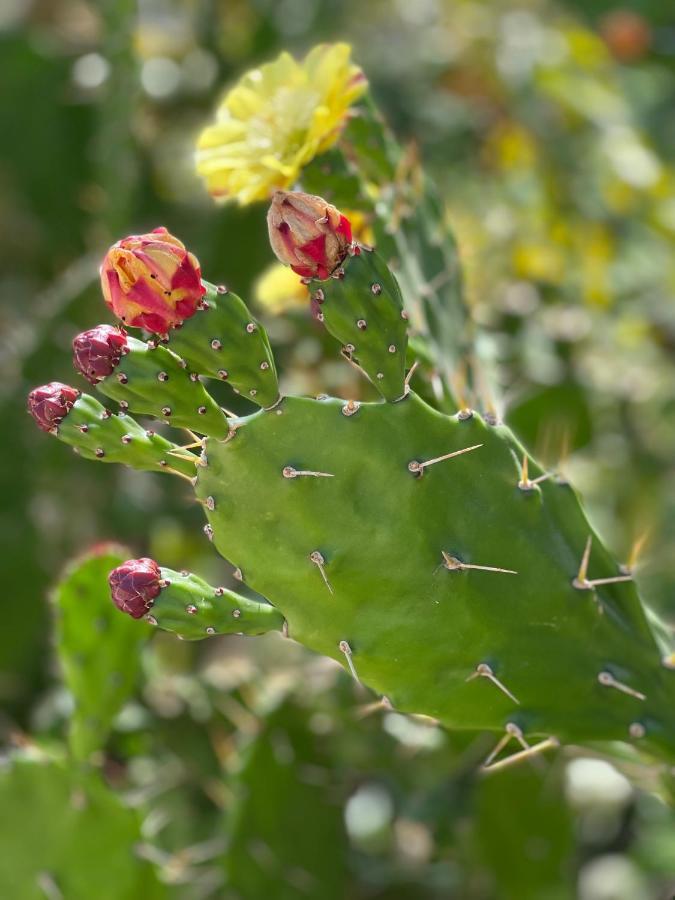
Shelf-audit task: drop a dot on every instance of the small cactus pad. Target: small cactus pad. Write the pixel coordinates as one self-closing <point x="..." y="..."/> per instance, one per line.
<point x="362" y="308"/>
<point x="189" y="607"/>
<point x="152" y="381"/>
<point x="97" y="433"/>
<point x="223" y="340"/>
<point x="66" y="836"/>
<point x="443" y="581"/>
<point x="99" y="651"/>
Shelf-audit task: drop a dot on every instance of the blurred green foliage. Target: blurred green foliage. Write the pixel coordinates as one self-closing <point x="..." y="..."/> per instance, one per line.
<point x="549" y="128"/>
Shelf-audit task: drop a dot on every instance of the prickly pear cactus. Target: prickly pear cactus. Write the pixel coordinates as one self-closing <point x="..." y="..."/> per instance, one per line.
<point x="99" y="652"/>
<point x="426" y="552"/>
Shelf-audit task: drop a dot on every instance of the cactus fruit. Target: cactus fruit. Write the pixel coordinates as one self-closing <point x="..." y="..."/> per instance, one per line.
<point x="51" y="403"/>
<point x="151" y="281"/>
<point x="426" y="552"/>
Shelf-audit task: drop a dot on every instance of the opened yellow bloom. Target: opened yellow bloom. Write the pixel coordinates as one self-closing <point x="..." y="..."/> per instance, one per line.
<point x="275" y="120"/>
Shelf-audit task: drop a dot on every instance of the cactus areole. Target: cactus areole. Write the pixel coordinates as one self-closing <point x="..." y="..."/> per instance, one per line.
<point x="426" y="552"/>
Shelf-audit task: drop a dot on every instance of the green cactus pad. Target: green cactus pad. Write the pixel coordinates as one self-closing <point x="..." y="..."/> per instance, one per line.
<point x="193" y="609"/>
<point x="353" y="556"/>
<point x="152" y="381"/>
<point x="286" y="837"/>
<point x="97" y="433"/>
<point x="67" y="836"/>
<point x="99" y="650"/>
<point x="223" y="340"/>
<point x="362" y="308"/>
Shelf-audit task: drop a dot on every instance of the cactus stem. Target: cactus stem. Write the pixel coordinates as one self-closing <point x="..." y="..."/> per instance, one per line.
<point x="317" y="558"/>
<point x="417" y="468"/>
<point x="483" y="670"/>
<point x="452" y="564"/>
<point x="608" y="680"/>
<point x="290" y="472"/>
<point x="347" y="650"/>
<point x="522" y="755"/>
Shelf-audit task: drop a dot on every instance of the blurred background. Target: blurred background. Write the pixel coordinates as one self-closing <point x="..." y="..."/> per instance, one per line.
<point x="550" y="128"/>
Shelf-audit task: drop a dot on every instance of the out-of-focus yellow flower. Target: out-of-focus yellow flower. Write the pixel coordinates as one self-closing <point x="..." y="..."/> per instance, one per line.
<point x="510" y="146"/>
<point x="279" y="289"/>
<point x="596" y="252"/>
<point x="275" y="120"/>
<point x="539" y="261"/>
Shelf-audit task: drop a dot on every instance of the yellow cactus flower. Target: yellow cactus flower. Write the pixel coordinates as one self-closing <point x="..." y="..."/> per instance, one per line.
<point x="275" y="120"/>
<point x="279" y="289"/>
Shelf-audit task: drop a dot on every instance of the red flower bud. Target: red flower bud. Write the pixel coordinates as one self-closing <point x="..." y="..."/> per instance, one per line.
<point x="151" y="281"/>
<point x="51" y="403"/>
<point x="96" y="352"/>
<point x="134" y="586"/>
<point x="308" y="234"/>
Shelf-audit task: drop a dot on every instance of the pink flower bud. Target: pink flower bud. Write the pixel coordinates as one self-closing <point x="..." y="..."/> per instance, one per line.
<point x="51" y="403"/>
<point x="151" y="281"/>
<point x="96" y="352"/>
<point x="308" y="234"/>
<point x="134" y="586"/>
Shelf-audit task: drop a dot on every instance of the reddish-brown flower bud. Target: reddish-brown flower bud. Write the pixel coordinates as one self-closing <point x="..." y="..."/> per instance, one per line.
<point x="151" y="281"/>
<point x="134" y="586"/>
<point x="96" y="352"/>
<point x="51" y="403"/>
<point x="308" y="234"/>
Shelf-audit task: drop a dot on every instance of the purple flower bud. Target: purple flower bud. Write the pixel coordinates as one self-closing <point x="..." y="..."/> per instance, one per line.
<point x="96" y="352"/>
<point x="51" y="403"/>
<point x="134" y="586"/>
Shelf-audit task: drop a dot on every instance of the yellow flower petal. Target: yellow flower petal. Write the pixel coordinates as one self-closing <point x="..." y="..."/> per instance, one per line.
<point x="275" y="120"/>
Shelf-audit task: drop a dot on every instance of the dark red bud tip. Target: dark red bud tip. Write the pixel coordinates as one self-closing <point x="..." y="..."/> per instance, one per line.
<point x="134" y="586"/>
<point x="97" y="352"/>
<point x="51" y="403"/>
